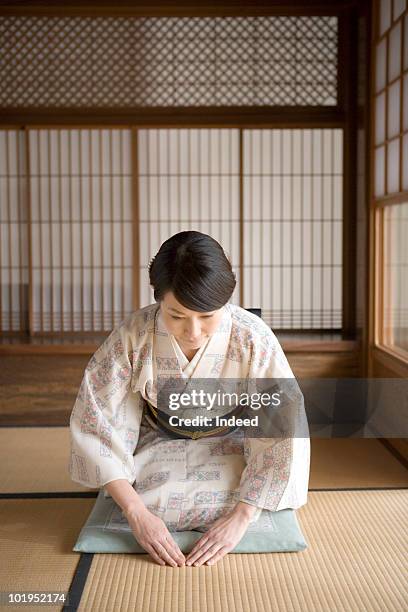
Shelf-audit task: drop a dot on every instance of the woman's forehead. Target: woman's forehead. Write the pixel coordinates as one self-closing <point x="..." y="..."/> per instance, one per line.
<point x="171" y="303"/>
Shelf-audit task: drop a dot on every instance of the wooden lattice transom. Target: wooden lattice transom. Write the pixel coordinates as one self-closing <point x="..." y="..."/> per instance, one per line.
<point x="112" y="62"/>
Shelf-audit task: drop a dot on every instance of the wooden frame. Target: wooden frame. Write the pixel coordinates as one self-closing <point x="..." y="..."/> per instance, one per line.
<point x="135" y="201"/>
<point x="348" y="48"/>
<point x="169" y="8"/>
<point x="204" y="116"/>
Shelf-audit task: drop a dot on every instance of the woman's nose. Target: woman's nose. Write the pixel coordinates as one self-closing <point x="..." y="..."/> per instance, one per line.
<point x="193" y="330"/>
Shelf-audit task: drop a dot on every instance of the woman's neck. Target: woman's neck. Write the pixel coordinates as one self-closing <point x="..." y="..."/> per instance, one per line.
<point x="190" y="353"/>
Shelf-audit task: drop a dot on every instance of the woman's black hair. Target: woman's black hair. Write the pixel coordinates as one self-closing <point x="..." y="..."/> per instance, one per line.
<point x="195" y="268"/>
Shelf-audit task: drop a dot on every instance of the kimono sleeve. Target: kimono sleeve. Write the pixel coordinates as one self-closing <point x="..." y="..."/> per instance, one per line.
<point x="105" y="419"/>
<point x="276" y="475"/>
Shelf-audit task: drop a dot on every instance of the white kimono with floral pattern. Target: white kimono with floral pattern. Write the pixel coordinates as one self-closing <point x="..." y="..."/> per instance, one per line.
<point x="188" y="483"/>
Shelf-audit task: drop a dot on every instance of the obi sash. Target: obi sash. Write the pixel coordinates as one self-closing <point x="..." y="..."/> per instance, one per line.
<point x="161" y="420"/>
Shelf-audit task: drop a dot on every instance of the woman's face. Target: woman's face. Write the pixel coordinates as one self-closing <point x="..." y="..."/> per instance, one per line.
<point x="190" y="328"/>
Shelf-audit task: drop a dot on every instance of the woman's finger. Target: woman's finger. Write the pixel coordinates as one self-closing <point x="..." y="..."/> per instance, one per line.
<point x="148" y="548"/>
<point x="208" y="554"/>
<point x="218" y="555"/>
<point x="165" y="552"/>
<point x="198" y="546"/>
<point x="207" y="546"/>
<point x="175" y="548"/>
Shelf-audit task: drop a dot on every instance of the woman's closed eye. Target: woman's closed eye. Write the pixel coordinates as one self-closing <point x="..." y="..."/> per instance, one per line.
<point x="203" y="317"/>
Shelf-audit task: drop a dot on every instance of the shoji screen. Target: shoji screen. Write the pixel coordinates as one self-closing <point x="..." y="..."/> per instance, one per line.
<point x="395" y="290"/>
<point x="390" y="175"/>
<point x="13" y="233"/>
<point x="291" y="214"/>
<point x="81" y="228"/>
<point x="188" y="179"/>
<point x="293" y="209"/>
<point x="391" y="100"/>
<point x="283" y="196"/>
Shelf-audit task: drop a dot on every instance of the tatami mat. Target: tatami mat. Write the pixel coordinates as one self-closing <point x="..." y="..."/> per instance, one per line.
<point x="355" y="559"/>
<point x="355" y="562"/>
<point x="36" y="541"/>
<point x="35" y="459"/>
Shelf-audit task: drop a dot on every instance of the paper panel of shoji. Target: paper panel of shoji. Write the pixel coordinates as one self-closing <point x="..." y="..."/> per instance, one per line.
<point x="188" y="180"/>
<point x="394" y="98"/>
<point x="385" y="16"/>
<point x="81" y="213"/>
<point x="405" y="162"/>
<point x="379" y="178"/>
<point x="399" y="7"/>
<point x="380" y="119"/>
<point x="405" y="52"/>
<point x="13" y="232"/>
<point x="293" y="226"/>
<point x="380" y="68"/>
<point x="394" y="52"/>
<point x="405" y="102"/>
<point x="395" y="286"/>
<point x="393" y="165"/>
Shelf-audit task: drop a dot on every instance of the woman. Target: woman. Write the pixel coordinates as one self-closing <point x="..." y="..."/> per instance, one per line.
<point x="217" y="484"/>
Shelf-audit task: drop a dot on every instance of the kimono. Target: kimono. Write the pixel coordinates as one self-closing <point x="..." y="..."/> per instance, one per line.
<point x="188" y="483"/>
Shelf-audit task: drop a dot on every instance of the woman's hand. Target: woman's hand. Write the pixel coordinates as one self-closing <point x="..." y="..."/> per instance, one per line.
<point x="222" y="537"/>
<point x="152" y="534"/>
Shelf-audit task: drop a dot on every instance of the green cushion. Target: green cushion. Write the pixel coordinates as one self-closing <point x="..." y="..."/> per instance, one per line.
<point x="272" y="532"/>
